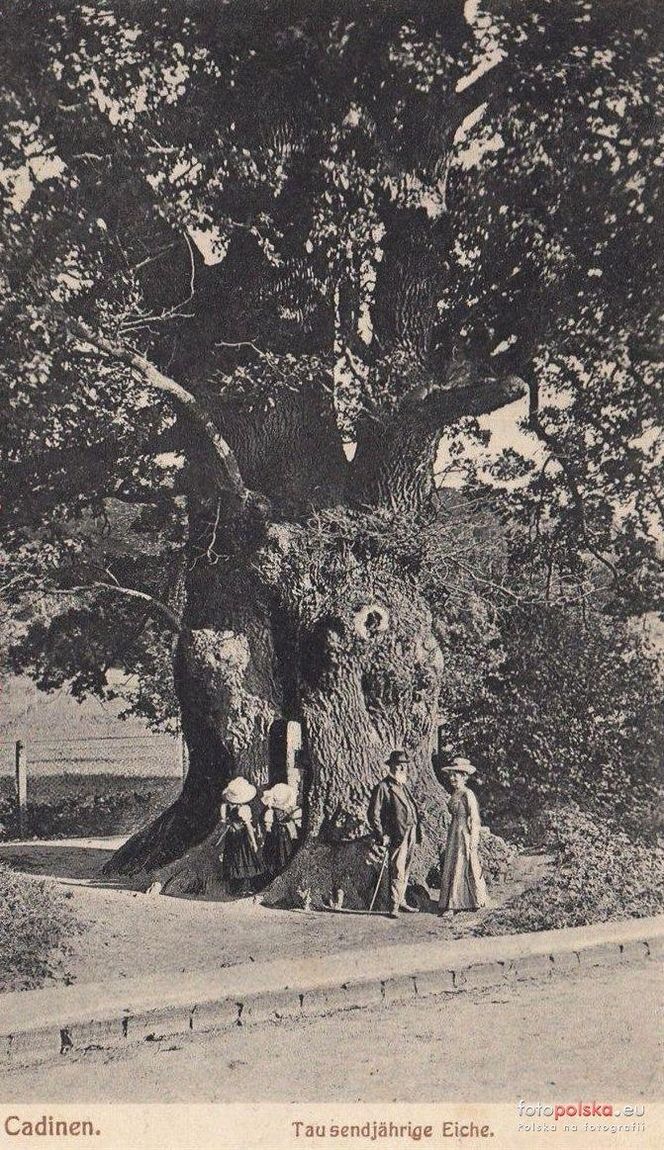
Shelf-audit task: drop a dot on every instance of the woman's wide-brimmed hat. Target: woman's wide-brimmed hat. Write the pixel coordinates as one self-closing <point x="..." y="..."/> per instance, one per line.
<point x="460" y="766"/>
<point x="238" y="791"/>
<point x="281" y="796"/>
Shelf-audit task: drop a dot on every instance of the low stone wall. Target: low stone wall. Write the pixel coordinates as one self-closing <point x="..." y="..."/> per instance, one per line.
<point x="40" y="1026"/>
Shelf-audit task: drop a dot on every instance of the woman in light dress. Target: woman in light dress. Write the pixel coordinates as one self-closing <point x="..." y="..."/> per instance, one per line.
<point x="462" y="885"/>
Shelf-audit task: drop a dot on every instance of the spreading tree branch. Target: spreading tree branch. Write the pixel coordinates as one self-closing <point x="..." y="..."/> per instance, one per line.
<point x="184" y="402"/>
<point x="42" y="480"/>
<point x="156" y="606"/>
<point x="394" y="461"/>
<point x="465" y="393"/>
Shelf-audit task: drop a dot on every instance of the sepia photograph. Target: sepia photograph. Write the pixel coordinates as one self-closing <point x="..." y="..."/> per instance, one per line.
<point x="331" y="574"/>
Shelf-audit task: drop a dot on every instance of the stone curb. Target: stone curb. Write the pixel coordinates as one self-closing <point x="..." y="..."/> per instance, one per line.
<point x="41" y="1026"/>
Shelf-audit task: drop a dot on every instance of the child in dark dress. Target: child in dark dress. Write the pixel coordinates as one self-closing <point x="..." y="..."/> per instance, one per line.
<point x="240" y="858"/>
<point x="282" y="821"/>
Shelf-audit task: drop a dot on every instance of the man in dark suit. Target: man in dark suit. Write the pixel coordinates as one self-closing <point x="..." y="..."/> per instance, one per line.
<point x="396" y="824"/>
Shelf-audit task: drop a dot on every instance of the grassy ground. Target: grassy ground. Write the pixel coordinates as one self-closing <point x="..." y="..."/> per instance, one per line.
<point x="130" y="933"/>
<point x="42" y="788"/>
<point x="73" y="804"/>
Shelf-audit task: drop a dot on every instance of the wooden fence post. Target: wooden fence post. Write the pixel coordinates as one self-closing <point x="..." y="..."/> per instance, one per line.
<point x="293" y="745"/>
<point x="21" y="786"/>
<point x="184" y="756"/>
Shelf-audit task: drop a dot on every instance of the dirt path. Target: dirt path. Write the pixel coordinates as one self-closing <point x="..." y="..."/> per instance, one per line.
<point x="589" y="1036"/>
<point x="128" y="933"/>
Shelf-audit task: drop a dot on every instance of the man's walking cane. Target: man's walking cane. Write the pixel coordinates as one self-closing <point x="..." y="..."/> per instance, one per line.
<point x="380" y="877"/>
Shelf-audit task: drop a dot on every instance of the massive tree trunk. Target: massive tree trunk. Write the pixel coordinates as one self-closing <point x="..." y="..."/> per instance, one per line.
<point x="361" y="673"/>
<point x="370" y="671"/>
<point x="228" y="702"/>
<point x="295" y="610"/>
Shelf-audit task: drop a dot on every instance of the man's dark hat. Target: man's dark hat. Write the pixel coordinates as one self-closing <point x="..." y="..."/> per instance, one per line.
<point x="396" y="757"/>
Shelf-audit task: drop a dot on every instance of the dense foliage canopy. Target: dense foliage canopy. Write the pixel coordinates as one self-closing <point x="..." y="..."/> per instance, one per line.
<point x="357" y="202"/>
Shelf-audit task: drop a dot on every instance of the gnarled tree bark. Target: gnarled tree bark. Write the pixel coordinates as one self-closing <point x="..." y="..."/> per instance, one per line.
<point x="271" y="633"/>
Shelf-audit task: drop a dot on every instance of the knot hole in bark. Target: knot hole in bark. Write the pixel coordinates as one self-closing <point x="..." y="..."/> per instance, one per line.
<point x="371" y="620"/>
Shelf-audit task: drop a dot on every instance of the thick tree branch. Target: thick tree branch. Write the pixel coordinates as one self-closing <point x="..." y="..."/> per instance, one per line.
<point x="183" y="401"/>
<point x="394" y="461"/>
<point x="69" y="467"/>
<point x="491" y="83"/>
<point x="156" y="606"/>
<point x="34" y="485"/>
<point x="458" y="399"/>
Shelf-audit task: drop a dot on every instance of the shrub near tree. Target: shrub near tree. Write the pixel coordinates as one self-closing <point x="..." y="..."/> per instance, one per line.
<point x="571" y="711"/>
<point x="599" y="873"/>
<point x="36" y="931"/>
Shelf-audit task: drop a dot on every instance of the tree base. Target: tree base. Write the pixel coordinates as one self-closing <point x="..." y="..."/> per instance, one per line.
<point x="320" y="871"/>
<point x="197" y="874"/>
<point x="163" y="841"/>
<point x="314" y="879"/>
